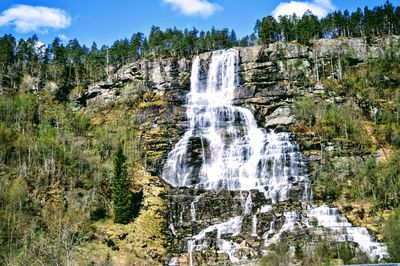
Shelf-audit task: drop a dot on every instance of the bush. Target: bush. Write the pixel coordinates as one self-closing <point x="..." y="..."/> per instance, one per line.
<point x="345" y="252"/>
<point x="277" y="257"/>
<point x="306" y="110"/>
<point x="391" y="234"/>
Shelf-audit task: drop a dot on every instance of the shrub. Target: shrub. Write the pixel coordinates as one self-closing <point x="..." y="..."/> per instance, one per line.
<point x="391" y="234"/>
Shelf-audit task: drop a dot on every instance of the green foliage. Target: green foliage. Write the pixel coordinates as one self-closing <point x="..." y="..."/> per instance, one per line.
<point x="379" y="21"/>
<point x="379" y="180"/>
<point x="329" y="181"/>
<point x="330" y="189"/>
<point x="324" y="252"/>
<point x="345" y="252"/>
<point x="267" y="30"/>
<point x="55" y="166"/>
<point x="72" y="65"/>
<point x="341" y="121"/>
<point x="331" y="121"/>
<point x="120" y="190"/>
<point x="354" y="126"/>
<point x="278" y="255"/>
<point x="391" y="235"/>
<point x="306" y="110"/>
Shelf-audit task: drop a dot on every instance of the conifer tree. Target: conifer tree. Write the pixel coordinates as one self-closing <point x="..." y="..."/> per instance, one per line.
<point x="120" y="190"/>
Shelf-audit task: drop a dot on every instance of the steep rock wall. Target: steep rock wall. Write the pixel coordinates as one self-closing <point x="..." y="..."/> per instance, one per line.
<point x="271" y="76"/>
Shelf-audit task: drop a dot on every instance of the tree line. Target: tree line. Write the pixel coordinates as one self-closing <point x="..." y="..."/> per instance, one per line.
<point x="366" y="23"/>
<point x="73" y="64"/>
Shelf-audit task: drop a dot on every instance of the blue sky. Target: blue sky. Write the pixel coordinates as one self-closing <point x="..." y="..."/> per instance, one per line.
<point x="104" y="21"/>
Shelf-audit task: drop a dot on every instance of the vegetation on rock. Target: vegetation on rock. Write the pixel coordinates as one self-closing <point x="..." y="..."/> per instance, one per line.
<point x="56" y="165"/>
<point x="28" y="64"/>
<point x="391" y="234"/>
<point x="354" y="126"/>
<point x="56" y="160"/>
<point x="323" y="252"/>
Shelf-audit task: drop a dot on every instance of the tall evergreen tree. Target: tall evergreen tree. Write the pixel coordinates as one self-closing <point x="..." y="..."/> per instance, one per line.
<point x="266" y="30"/>
<point x="7" y="59"/>
<point x="120" y="189"/>
<point x="233" y="39"/>
<point x="136" y="45"/>
<point x="244" y="41"/>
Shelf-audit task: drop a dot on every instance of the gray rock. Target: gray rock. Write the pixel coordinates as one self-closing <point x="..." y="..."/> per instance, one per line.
<point x="270" y="76"/>
<point x="282" y="116"/>
<point x="159" y="76"/>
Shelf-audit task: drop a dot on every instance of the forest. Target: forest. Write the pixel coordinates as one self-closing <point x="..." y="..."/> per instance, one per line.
<point x="74" y="64"/>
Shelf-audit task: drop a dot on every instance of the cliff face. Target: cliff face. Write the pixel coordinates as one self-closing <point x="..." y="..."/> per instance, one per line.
<point x="271" y="77"/>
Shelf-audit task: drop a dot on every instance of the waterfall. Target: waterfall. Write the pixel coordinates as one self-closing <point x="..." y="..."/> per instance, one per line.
<point x="254" y="225"/>
<point x="223" y="148"/>
<point x="193" y="208"/>
<point x="235" y="153"/>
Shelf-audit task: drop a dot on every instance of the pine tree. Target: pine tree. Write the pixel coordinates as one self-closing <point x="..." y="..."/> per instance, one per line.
<point x="7" y="59"/>
<point x="120" y="190"/>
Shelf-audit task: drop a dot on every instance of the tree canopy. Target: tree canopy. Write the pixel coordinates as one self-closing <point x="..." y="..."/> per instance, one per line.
<point x="73" y="64"/>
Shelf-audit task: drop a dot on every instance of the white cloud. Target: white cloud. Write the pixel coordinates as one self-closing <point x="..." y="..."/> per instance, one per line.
<point x="202" y="8"/>
<point x="34" y="18"/>
<point x="320" y="8"/>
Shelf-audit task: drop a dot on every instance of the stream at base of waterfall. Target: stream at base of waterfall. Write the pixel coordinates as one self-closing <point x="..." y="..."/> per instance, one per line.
<point x="224" y="149"/>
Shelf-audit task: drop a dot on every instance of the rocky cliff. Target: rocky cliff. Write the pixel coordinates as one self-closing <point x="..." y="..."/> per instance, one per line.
<point x="271" y="78"/>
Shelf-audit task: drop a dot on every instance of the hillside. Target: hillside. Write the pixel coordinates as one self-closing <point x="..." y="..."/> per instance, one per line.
<point x="338" y="97"/>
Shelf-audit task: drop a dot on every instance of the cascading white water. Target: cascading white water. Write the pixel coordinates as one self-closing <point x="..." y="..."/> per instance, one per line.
<point x="232" y="227"/>
<point x="254" y="225"/>
<point x="193" y="208"/>
<point x="237" y="155"/>
<point x="329" y="217"/>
